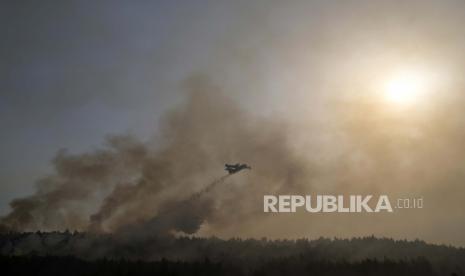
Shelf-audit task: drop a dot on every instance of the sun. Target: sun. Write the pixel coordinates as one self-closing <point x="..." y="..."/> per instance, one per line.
<point x="405" y="87"/>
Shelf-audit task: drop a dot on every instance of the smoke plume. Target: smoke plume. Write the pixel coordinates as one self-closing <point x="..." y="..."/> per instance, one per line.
<point x="170" y="183"/>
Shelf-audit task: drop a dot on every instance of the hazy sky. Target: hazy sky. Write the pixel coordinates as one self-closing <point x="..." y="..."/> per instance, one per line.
<point x="72" y="73"/>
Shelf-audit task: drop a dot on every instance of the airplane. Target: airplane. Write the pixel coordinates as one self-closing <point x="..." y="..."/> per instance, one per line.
<point x="236" y="168"/>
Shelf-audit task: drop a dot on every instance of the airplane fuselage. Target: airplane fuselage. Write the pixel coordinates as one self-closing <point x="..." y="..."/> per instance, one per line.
<point x="235" y="168"/>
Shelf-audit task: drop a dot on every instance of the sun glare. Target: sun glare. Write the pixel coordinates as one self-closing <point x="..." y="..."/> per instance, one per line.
<point x="404" y="88"/>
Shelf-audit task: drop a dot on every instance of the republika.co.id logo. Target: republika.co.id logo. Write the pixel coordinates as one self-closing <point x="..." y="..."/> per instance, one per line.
<point x="337" y="203"/>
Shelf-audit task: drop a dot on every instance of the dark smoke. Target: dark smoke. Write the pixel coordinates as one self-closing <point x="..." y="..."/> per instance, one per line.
<point x="161" y="186"/>
<point x="181" y="215"/>
<point x="63" y="198"/>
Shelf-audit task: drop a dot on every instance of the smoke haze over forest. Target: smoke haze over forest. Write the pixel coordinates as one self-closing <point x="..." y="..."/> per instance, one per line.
<point x="119" y="120"/>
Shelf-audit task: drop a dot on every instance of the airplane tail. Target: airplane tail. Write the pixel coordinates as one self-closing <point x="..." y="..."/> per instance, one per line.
<point x="216" y="182"/>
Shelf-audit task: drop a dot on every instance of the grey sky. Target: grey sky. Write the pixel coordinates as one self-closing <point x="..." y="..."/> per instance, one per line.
<point x="73" y="72"/>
